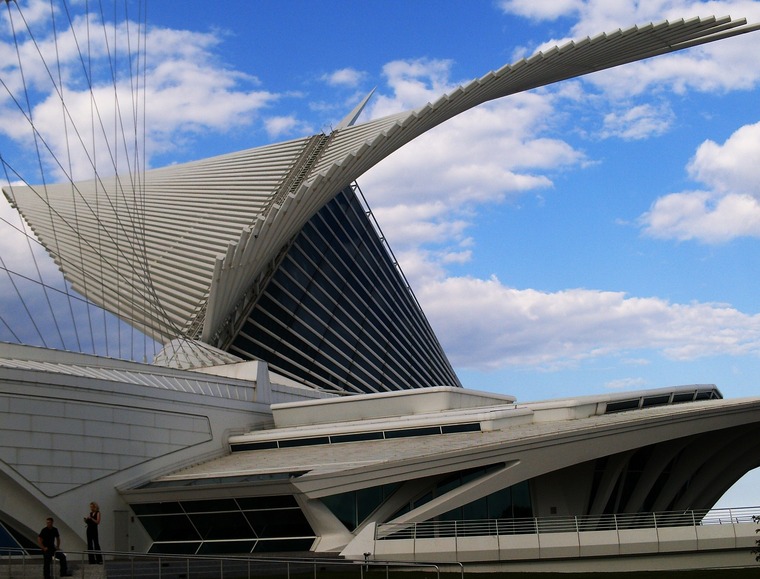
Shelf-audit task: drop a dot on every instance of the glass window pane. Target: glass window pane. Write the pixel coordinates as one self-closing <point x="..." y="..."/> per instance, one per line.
<point x="222" y="525"/>
<point x="156" y="508"/>
<point x="210" y="506"/>
<point x="169" y="528"/>
<point x="226" y="548"/>
<point x="284" y="523"/>
<point x="277" y="502"/>
<point x="367" y="500"/>
<point x="343" y="506"/>
<point x="277" y="546"/>
<point x="521" y="500"/>
<point x="500" y="504"/>
<point x="476" y="510"/>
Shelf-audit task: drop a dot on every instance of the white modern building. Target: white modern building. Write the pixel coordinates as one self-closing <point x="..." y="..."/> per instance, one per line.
<point x="302" y="402"/>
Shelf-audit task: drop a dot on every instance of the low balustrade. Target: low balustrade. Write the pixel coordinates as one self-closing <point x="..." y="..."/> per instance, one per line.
<point x="565" y="524"/>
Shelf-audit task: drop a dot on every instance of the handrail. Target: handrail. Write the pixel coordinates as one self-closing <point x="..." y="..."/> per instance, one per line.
<point x="565" y="524"/>
<point x="155" y="564"/>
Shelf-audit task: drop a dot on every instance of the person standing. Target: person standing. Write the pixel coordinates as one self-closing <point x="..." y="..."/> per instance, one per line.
<point x="49" y="541"/>
<point x="93" y="544"/>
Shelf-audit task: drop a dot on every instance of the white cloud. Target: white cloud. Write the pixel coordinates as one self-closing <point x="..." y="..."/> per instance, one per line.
<point x="727" y="65"/>
<point x="542" y="9"/>
<point x="414" y="83"/>
<point x="285" y="125"/>
<point x="638" y="122"/>
<point x="189" y="92"/>
<point x="594" y="16"/>
<point x="495" y="153"/>
<point x="486" y="155"/>
<point x="427" y="195"/>
<point x="626" y="384"/>
<point x="349" y="77"/>
<point x="421" y="223"/>
<point x="15" y="244"/>
<point x="702" y="216"/>
<point x="733" y="167"/>
<point x="730" y="209"/>
<point x="515" y="327"/>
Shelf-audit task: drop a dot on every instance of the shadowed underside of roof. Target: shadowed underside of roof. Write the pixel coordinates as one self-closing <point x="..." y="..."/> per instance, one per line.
<point x="177" y="253"/>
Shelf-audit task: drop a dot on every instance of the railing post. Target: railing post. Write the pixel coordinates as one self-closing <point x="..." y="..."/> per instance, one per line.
<point x="654" y="519"/>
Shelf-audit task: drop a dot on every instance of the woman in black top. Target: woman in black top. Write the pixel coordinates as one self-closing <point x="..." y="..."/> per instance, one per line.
<point x="93" y="545"/>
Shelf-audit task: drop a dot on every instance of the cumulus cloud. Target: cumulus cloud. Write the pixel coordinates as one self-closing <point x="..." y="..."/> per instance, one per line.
<point x="638" y="122"/>
<point x="17" y="242"/>
<point x="728" y="65"/>
<point x="625" y="384"/>
<point x="733" y="167"/>
<point x="349" y="77"/>
<point x="542" y="10"/>
<point x="503" y="150"/>
<point x="85" y="112"/>
<point x="189" y="90"/>
<point x="487" y="155"/>
<point x="593" y="16"/>
<point x="730" y="208"/>
<point x="526" y="327"/>
<point x="413" y="84"/>
<point x="703" y="216"/>
<point x="427" y="195"/>
<point x="278" y="126"/>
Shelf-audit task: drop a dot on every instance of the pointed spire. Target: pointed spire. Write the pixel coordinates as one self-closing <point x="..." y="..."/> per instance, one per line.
<point x="354" y="114"/>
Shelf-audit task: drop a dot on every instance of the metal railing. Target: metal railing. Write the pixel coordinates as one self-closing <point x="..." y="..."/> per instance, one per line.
<point x="564" y="524"/>
<point x="18" y="563"/>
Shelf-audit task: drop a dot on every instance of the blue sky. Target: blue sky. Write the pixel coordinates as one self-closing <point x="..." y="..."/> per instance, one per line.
<point x="592" y="236"/>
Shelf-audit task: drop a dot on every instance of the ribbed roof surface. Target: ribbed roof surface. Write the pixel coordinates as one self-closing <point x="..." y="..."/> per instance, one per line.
<point x="203" y="232"/>
<point x="13" y="357"/>
<point x="127" y="250"/>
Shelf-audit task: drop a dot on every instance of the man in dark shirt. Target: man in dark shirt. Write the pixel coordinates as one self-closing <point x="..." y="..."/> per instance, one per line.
<point x="50" y="542"/>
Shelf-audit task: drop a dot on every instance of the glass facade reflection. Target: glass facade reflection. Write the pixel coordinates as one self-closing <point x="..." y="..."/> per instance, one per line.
<point x="355" y="506"/>
<point x="507" y="503"/>
<point x="352" y="508"/>
<point x="12" y="542"/>
<point x="226" y="526"/>
<point x="338" y="314"/>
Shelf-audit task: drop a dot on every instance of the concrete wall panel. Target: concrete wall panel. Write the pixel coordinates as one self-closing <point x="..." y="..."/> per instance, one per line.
<point x="599" y="543"/>
<point x="638" y="541"/>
